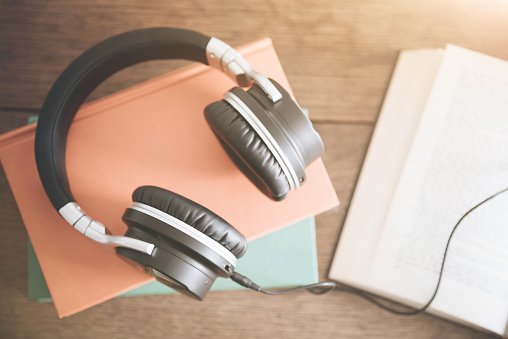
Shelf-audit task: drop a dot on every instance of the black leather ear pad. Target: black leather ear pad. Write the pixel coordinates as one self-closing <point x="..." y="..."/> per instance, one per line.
<point x="247" y="150"/>
<point x="194" y="215"/>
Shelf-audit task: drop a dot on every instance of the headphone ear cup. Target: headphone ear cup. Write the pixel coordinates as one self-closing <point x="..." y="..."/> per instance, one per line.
<point x="192" y="245"/>
<point x="247" y="150"/>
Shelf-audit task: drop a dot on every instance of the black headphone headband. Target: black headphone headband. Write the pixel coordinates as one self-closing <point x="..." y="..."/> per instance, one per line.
<point x="83" y="75"/>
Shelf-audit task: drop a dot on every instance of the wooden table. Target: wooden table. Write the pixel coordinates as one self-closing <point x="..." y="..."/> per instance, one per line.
<point x="338" y="56"/>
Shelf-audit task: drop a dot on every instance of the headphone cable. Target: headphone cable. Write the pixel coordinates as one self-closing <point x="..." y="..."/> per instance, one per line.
<point x="324" y="287"/>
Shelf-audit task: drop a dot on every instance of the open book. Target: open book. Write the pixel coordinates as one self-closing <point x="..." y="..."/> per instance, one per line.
<point x="440" y="147"/>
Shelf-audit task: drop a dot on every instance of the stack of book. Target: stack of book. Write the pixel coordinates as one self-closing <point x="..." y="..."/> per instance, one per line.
<point x="155" y="134"/>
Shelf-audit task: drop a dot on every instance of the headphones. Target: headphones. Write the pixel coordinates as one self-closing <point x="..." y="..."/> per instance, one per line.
<point x="179" y="242"/>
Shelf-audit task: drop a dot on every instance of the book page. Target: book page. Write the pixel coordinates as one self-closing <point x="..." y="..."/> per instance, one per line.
<point x="458" y="158"/>
<point x="405" y="100"/>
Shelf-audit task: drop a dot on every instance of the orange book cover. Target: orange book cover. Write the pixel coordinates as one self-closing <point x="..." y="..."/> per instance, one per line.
<point x="153" y="133"/>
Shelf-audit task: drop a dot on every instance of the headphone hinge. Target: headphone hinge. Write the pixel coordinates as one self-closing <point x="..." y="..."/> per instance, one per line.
<point x="226" y="59"/>
<point x="96" y="231"/>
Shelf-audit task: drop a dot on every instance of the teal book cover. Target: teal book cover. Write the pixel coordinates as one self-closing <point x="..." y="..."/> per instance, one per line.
<point x="284" y="258"/>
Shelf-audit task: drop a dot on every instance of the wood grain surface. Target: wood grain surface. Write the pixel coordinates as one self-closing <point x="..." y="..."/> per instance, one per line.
<point x="338" y="56"/>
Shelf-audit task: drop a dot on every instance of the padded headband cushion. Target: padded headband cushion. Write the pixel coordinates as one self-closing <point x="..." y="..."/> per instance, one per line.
<point x="84" y="74"/>
<point x="247" y="150"/>
<point x="194" y="215"/>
